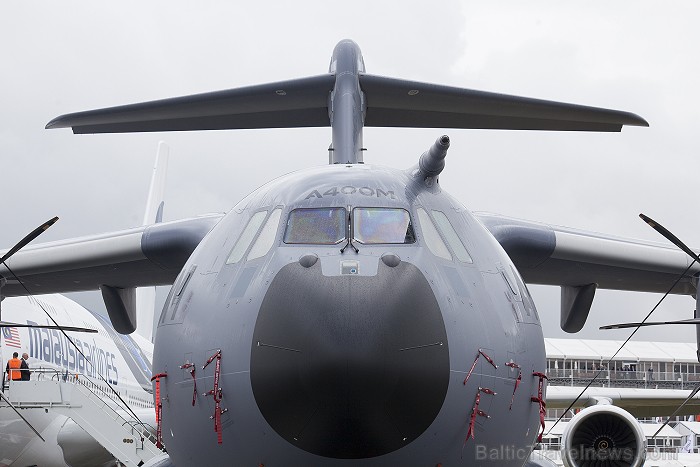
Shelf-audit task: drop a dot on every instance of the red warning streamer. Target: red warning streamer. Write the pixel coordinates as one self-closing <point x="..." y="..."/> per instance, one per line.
<point x="217" y="393"/>
<point x="191" y="367"/>
<point x="479" y="354"/>
<point x="477" y="412"/>
<point x="514" y="365"/>
<point x="540" y="400"/>
<point x="159" y="410"/>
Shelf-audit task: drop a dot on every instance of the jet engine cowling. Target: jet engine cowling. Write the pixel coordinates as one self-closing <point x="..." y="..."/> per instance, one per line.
<point x="603" y="435"/>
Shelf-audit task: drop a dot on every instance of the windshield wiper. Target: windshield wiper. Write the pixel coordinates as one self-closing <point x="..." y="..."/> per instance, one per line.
<point x="349" y="243"/>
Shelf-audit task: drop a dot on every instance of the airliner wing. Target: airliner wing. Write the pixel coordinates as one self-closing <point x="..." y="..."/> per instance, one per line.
<point x="639" y="402"/>
<point x="143" y="256"/>
<point x="580" y="262"/>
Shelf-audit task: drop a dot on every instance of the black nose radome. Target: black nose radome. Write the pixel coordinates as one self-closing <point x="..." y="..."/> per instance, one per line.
<point x="349" y="366"/>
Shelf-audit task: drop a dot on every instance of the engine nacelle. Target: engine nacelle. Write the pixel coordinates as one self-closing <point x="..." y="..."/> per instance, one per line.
<point x="603" y="435"/>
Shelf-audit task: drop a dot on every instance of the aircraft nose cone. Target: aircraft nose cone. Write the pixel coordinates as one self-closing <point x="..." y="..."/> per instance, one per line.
<point x="349" y="366"/>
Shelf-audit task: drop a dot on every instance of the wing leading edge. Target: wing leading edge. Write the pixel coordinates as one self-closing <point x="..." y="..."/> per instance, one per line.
<point x="143" y="256"/>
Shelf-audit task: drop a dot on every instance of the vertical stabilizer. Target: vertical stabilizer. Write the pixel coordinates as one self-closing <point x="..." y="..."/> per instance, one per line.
<point x="154" y="203"/>
<point x="146" y="296"/>
<point x="347" y="105"/>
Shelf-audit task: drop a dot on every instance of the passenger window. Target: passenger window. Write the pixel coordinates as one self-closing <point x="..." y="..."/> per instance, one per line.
<point x="382" y="225"/>
<point x="316" y="226"/>
<point x="246" y="237"/>
<point x="452" y="237"/>
<point x="432" y="237"/>
<point x="267" y="236"/>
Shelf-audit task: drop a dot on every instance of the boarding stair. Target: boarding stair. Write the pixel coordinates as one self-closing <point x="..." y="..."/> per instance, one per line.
<point x="99" y="414"/>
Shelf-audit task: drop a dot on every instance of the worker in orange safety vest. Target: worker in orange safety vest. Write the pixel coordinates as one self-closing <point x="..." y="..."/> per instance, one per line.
<point x="13" y="368"/>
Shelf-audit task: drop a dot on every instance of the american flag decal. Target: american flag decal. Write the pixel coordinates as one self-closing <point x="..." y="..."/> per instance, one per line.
<point x="11" y="336"/>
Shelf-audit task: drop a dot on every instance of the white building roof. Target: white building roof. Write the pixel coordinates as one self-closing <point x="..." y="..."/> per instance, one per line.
<point x="667" y="432"/>
<point x="692" y="426"/>
<point x="599" y="349"/>
<point x="557" y="431"/>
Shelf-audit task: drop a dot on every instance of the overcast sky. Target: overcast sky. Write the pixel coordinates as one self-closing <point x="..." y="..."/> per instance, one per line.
<point x="638" y="56"/>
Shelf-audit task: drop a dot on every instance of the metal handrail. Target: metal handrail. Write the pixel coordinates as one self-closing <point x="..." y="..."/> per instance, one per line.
<point x="125" y="421"/>
<point x="79" y="379"/>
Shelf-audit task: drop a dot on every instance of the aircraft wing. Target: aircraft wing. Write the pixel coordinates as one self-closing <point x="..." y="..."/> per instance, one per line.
<point x="553" y="255"/>
<point x="638" y="402"/>
<point x="143" y="256"/>
<point x="580" y="262"/>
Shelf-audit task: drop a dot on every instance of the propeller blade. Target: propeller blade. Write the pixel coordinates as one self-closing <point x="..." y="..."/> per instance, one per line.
<point x="676" y="241"/>
<point x="654" y="323"/>
<point x="31" y="236"/>
<point x="4" y="324"/>
<point x="673" y="415"/>
<point x="669" y="236"/>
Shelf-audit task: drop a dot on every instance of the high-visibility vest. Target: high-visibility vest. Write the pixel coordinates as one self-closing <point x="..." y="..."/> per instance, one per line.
<point x="15" y="365"/>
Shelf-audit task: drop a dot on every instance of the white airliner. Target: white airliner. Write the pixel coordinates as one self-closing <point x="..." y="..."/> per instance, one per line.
<point x="123" y="361"/>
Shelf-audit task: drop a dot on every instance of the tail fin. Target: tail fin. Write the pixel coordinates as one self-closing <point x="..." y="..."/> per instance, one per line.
<point x="146" y="296"/>
<point x="154" y="203"/>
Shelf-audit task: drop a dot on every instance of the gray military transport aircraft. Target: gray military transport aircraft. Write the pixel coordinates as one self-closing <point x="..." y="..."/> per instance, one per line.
<point x="352" y="314"/>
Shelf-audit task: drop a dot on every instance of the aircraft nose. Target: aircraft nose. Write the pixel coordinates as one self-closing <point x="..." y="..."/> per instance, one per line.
<point x="349" y="366"/>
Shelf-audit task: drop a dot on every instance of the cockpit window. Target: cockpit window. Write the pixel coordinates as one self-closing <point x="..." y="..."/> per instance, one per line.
<point x="432" y="236"/>
<point x="267" y="236"/>
<point x="452" y="237"/>
<point x="382" y="225"/>
<point x="316" y="226"/>
<point x="246" y="237"/>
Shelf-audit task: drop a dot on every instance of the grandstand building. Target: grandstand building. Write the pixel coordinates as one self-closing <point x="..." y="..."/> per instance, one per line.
<point x="663" y="365"/>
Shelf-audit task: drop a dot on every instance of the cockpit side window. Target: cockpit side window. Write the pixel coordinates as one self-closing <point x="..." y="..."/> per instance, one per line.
<point x="432" y="236"/>
<point x="316" y="226"/>
<point x="267" y="236"/>
<point x="382" y="225"/>
<point x="452" y="237"/>
<point x="246" y="237"/>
